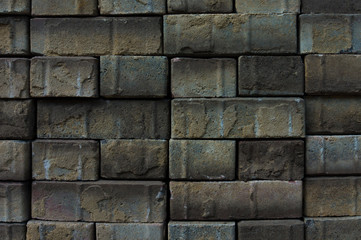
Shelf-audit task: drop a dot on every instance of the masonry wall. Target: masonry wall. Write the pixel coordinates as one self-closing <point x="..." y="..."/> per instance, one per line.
<point x="180" y="119"/>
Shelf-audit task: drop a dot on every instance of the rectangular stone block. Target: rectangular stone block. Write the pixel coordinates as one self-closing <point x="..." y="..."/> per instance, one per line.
<point x="134" y="159"/>
<point x="96" y="36"/>
<point x="134" y="231"/>
<point x="271" y="160"/>
<point x="331" y="6"/>
<point x="207" y="34"/>
<point x="333" y="115"/>
<point x="200" y="6"/>
<point x="14" y="78"/>
<point x="64" y="77"/>
<point x="46" y="230"/>
<point x="65" y="160"/>
<point x="103" y="119"/>
<point x="268" y="7"/>
<point x="102" y="201"/>
<point x="123" y="7"/>
<point x="197" y="77"/>
<point x="339" y="228"/>
<point x="328" y="33"/>
<point x="270" y="75"/>
<point x="271" y="229"/>
<point x="333" y="74"/>
<point x="201" y="230"/>
<point x="13" y="7"/>
<point x="13" y="231"/>
<point x="64" y="8"/>
<point x="202" y="159"/>
<point x="17" y="119"/>
<point x="14" y="36"/>
<point x="128" y="76"/>
<point x="238" y="118"/>
<point x="235" y="200"/>
<point x="15" y="160"/>
<point x="332" y="196"/>
<point x="14" y="202"/>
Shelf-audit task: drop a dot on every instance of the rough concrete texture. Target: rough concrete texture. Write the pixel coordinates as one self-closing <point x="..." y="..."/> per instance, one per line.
<point x="15" y="7"/>
<point x="15" y="160"/>
<point x="64" y="7"/>
<point x="123" y="7"/>
<point x="14" y="202"/>
<point x="14" y="36"/>
<point x="14" y="78"/>
<point x="201" y="230"/>
<point x="200" y="6"/>
<point x="331" y="6"/>
<point x="13" y="231"/>
<point x="134" y="231"/>
<point x="268" y="7"/>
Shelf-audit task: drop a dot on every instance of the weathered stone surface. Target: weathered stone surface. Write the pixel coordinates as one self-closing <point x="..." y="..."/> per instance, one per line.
<point x="238" y="118"/>
<point x="235" y="200"/>
<point x="46" y="230"/>
<point x="268" y="7"/>
<point x="115" y="7"/>
<point x="15" y="7"/>
<point x="64" y="7"/>
<point x="15" y="160"/>
<point x="332" y="196"/>
<point x="14" y="36"/>
<point x="202" y="159"/>
<point x="282" y="160"/>
<point x="128" y="76"/>
<point x="229" y="34"/>
<point x="14" y="202"/>
<point x="200" y="6"/>
<point x="270" y="75"/>
<point x="13" y="231"/>
<point x="201" y="230"/>
<point x="331" y="6"/>
<point x="65" y="160"/>
<point x="333" y="115"/>
<point x="102" y="201"/>
<point x="103" y="119"/>
<point x="271" y="229"/>
<point x="17" y="119"/>
<point x="96" y="36"/>
<point x="333" y="228"/>
<point x="196" y="77"/>
<point x="327" y="33"/>
<point x="14" y="78"/>
<point x="136" y="231"/>
<point x="64" y="77"/>
<point x="134" y="159"/>
<point x="333" y="74"/>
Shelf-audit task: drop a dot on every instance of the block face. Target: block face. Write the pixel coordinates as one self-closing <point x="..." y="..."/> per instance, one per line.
<point x="14" y="36"/>
<point x="65" y="160"/>
<point x="102" y="201"/>
<point x="15" y="160"/>
<point x="229" y="34"/>
<point x="333" y="115"/>
<point x="268" y="7"/>
<point x="15" y="7"/>
<point x="202" y="159"/>
<point x="333" y="74"/>
<point x="271" y="229"/>
<point x="200" y="6"/>
<point x="271" y="160"/>
<point x="134" y="159"/>
<point x="136" y="231"/>
<point x="14" y="78"/>
<point x="128" y="76"/>
<point x="13" y="231"/>
<point x="64" y="77"/>
<point x="270" y="75"/>
<point x="103" y="119"/>
<point x="238" y="118"/>
<point x="201" y="230"/>
<point x="327" y="33"/>
<point x="96" y="36"/>
<point x="14" y="202"/>
<point x="192" y="77"/>
<point x="333" y="228"/>
<point x="122" y="7"/>
<point x="64" y="7"/>
<point x="332" y="197"/>
<point x="331" y="6"/>
<point x="240" y="200"/>
<point x="17" y="119"/>
<point x="59" y="230"/>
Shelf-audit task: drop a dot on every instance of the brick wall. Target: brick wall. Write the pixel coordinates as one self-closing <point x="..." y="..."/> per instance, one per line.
<point x="180" y="119"/>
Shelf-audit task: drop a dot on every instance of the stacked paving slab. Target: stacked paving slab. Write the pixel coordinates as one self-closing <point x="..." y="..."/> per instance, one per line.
<point x="180" y="119"/>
